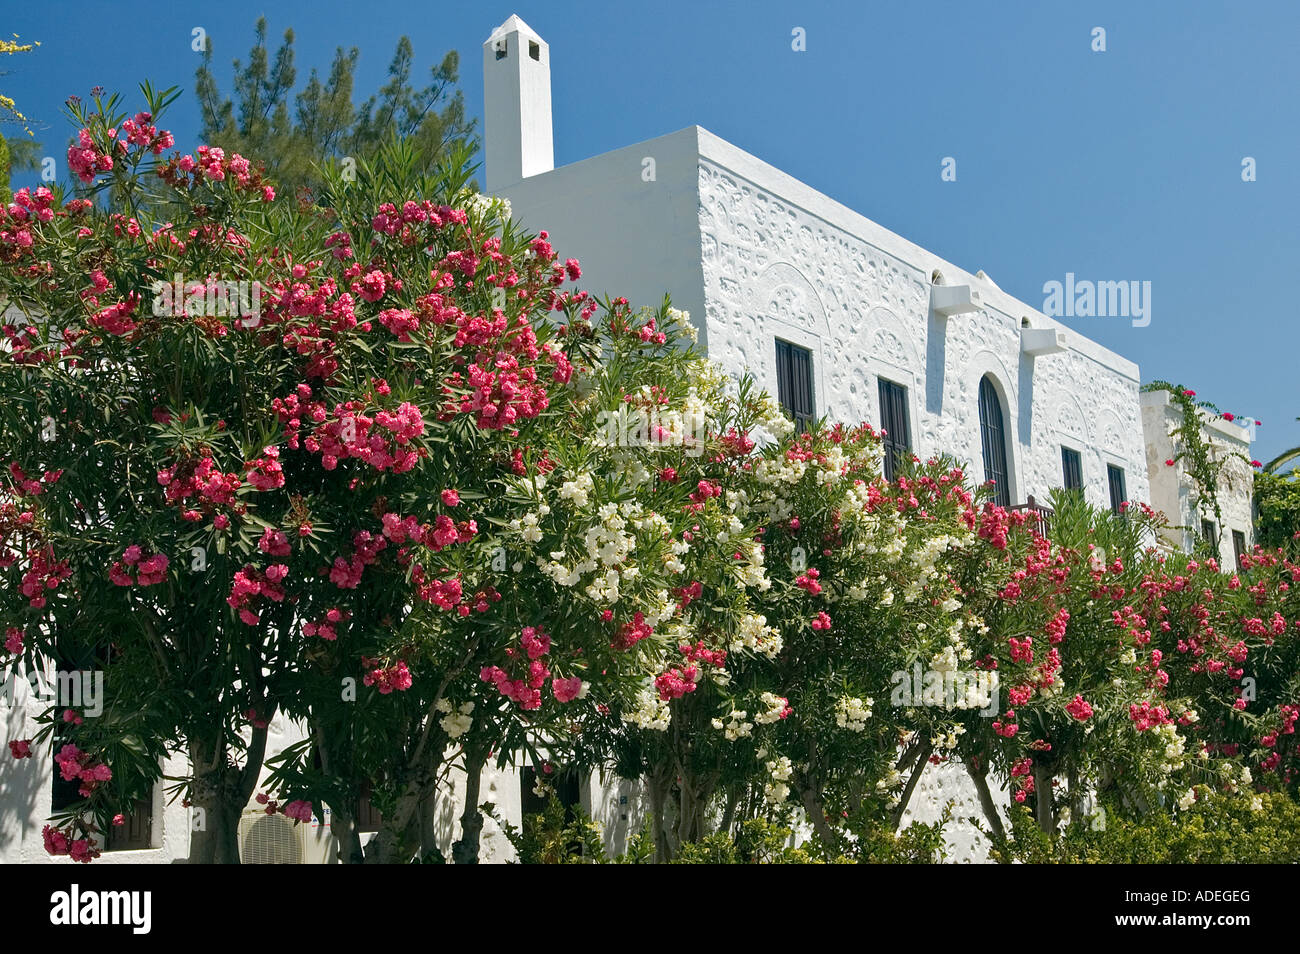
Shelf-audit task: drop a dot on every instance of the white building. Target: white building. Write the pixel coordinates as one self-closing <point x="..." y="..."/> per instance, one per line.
<point x="1174" y="492"/>
<point x="836" y="314"/>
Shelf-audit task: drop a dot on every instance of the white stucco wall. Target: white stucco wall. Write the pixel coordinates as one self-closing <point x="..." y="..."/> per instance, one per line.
<point x="781" y="259"/>
<point x="1172" y="490"/>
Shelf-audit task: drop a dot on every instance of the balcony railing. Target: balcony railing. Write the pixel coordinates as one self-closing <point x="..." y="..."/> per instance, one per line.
<point x="1040" y="517"/>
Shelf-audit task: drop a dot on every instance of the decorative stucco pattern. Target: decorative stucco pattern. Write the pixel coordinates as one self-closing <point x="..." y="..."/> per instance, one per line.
<point x="773" y="270"/>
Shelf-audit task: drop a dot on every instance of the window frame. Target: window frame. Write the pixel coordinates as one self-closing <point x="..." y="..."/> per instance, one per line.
<point x="793" y="380"/>
<point x="894" y="410"/>
<point x="1070" y="455"/>
<point x="993" y="441"/>
<point x="1115" y="474"/>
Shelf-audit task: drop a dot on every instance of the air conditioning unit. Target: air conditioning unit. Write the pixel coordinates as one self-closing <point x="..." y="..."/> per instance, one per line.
<point x="1040" y="341"/>
<point x="949" y="300"/>
<point x="276" y="840"/>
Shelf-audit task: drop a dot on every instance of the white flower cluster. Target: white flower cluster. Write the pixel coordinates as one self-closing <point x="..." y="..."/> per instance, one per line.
<point x="529" y="525"/>
<point x="774" y="706"/>
<point x="484" y="206"/>
<point x="651" y="712"/>
<point x="577" y="490"/>
<point x="772" y="419"/>
<point x="681" y="321"/>
<point x="946" y="742"/>
<point x="924" y="560"/>
<point x="1173" y="743"/>
<point x="455" y="722"/>
<point x="776" y="791"/>
<point x="852" y="713"/>
<point x="735" y="727"/>
<point x="755" y="634"/>
<point x="750" y="569"/>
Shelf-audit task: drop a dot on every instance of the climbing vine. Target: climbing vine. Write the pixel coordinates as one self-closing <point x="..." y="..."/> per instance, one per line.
<point x="1193" y="450"/>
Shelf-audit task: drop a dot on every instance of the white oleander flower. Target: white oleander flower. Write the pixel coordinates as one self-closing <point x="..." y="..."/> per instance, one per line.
<point x="852" y="713"/>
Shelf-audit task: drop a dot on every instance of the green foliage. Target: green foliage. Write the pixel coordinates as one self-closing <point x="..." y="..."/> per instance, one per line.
<point x="295" y="135"/>
<point x="1192" y="450"/>
<point x="1277" y="501"/>
<point x="554" y="836"/>
<point x="1216" y="830"/>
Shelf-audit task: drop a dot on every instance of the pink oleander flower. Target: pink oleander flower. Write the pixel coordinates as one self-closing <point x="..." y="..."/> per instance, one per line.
<point x="1079" y="709"/>
<point x="566" y="690"/>
<point x="298" y="810"/>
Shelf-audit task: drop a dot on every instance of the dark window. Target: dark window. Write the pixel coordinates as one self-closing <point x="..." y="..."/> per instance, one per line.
<point x="136" y="831"/>
<point x="534" y="50"/>
<point x="1071" y="469"/>
<point x="993" y="438"/>
<point x="1118" y="494"/>
<point x="567" y="789"/>
<point x="794" y="382"/>
<point x="1209" y="534"/>
<point x="893" y="421"/>
<point x="501" y="50"/>
<point x="1238" y="546"/>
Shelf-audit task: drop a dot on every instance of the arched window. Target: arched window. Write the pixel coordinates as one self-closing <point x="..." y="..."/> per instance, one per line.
<point x="993" y="438"/>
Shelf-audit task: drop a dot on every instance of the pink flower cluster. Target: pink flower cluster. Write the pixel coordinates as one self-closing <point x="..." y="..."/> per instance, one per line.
<point x="808" y="581"/>
<point x="1056" y="627"/>
<point x="326" y="626"/>
<point x="75" y="765"/>
<point x="1006" y="726"/>
<point x="1022" y="650"/>
<point x="85" y="158"/>
<point x="14" y="640"/>
<point x="43" y="573"/>
<point x="21" y="748"/>
<point x="503" y="393"/>
<point x="16" y="218"/>
<point x="1079" y="709"/>
<point x="353" y="434"/>
<point x="252" y="585"/>
<point x="821" y="622"/>
<point x="675" y="683"/>
<point x="298" y="810"/>
<point x="149" y="570"/>
<point x="60" y="842"/>
<point x="389" y="221"/>
<point x="698" y="653"/>
<point x="629" y="634"/>
<point x="1146" y="716"/>
<point x="141" y="132"/>
<point x="527" y="692"/>
<point x="346" y="574"/>
<point x="117" y="319"/>
<point x="200" y="481"/>
<point x="265" y="472"/>
<point x="396" y="677"/>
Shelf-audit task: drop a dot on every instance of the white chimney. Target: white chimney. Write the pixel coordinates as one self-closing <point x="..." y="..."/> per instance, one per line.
<point x="516" y="105"/>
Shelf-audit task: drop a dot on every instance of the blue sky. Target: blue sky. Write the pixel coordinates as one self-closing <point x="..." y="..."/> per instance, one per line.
<point x="1116" y="165"/>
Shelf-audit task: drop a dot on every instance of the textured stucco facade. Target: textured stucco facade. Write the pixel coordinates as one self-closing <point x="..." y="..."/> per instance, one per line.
<point x="1172" y="489"/>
